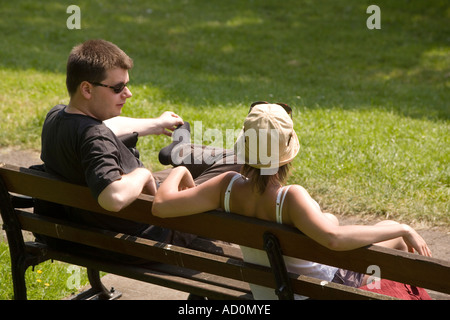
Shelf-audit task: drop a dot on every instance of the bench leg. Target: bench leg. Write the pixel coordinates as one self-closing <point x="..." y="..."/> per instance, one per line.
<point x="19" y="284"/>
<point x="97" y="290"/>
<point x="273" y="250"/>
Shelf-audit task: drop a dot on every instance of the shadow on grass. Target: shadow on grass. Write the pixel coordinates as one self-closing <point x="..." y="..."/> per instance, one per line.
<point x="204" y="53"/>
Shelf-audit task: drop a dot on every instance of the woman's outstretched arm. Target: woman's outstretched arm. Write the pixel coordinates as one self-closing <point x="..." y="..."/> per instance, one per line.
<point x="310" y="220"/>
<point x="178" y="195"/>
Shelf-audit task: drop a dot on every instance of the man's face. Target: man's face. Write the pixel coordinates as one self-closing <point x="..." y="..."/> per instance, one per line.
<point x="104" y="102"/>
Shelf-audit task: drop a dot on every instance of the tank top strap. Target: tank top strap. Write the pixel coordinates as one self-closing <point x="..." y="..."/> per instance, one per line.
<point x="281" y="195"/>
<point x="226" y="198"/>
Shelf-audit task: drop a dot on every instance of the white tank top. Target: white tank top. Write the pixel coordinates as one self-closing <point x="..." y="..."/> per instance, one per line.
<point x="294" y="265"/>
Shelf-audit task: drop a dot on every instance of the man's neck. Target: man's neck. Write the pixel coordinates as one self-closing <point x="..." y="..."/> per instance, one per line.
<point x="75" y="107"/>
<point x="74" y="110"/>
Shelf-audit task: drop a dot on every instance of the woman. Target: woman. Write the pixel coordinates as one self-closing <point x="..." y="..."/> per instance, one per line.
<point x="259" y="192"/>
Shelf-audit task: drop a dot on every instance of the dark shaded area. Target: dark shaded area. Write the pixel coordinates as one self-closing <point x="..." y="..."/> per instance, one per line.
<point x="300" y="52"/>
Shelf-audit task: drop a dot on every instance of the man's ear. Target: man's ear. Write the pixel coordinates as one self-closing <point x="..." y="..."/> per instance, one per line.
<point x="86" y="89"/>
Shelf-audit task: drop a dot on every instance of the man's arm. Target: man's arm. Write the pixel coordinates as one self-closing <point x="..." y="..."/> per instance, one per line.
<point x="120" y="193"/>
<point x="164" y="124"/>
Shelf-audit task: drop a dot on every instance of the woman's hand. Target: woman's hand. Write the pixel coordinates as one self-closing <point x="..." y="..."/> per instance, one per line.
<point x="415" y="242"/>
<point x="185" y="178"/>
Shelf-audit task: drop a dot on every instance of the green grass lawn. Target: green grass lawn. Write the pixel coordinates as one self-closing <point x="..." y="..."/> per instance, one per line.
<point x="47" y="281"/>
<point x="371" y="106"/>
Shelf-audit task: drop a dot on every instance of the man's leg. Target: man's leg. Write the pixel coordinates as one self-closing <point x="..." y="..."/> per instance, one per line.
<point x="203" y="162"/>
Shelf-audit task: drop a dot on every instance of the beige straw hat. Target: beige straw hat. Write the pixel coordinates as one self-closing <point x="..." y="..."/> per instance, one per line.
<point x="268" y="139"/>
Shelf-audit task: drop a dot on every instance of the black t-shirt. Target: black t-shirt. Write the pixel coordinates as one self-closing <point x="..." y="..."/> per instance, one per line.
<point x="83" y="150"/>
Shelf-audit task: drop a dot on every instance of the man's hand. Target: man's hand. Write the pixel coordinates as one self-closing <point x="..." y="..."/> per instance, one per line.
<point x="169" y="121"/>
<point x="164" y="124"/>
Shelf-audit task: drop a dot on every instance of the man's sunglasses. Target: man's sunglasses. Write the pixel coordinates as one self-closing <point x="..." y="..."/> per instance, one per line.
<point x="285" y="106"/>
<point x="118" y="88"/>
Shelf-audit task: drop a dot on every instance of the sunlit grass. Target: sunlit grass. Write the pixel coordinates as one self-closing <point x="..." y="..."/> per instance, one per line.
<point x="47" y="281"/>
<point x="375" y="162"/>
<point x="25" y="98"/>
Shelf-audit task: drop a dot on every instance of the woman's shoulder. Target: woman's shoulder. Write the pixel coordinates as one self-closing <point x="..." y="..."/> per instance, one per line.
<point x="221" y="181"/>
<point x="229" y="175"/>
<point x="297" y="189"/>
<point x="297" y="194"/>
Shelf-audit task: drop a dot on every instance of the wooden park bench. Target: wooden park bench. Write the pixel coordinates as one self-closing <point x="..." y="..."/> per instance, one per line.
<point x="218" y="273"/>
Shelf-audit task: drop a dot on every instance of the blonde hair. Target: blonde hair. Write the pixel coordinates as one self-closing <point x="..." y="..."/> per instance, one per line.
<point x="260" y="181"/>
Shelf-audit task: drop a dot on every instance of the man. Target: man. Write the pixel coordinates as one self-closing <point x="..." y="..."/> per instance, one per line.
<point x="81" y="142"/>
<point x="77" y="144"/>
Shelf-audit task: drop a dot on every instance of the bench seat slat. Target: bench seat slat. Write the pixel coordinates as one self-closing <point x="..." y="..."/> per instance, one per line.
<point x="154" y="273"/>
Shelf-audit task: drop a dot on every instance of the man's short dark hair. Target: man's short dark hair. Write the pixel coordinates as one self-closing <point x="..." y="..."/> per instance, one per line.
<point x="90" y="60"/>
